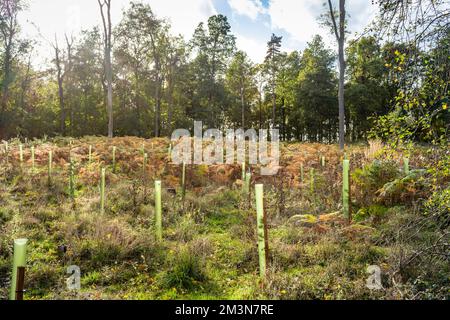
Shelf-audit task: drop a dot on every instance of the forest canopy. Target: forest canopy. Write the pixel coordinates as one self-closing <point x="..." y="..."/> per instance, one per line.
<point x="396" y="81"/>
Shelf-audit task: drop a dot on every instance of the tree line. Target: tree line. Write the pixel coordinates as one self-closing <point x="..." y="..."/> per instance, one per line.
<point x="136" y="78"/>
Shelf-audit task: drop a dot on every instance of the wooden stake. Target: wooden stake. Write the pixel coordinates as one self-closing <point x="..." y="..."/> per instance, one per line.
<point x="19" y="260"/>
<point x="20" y="284"/>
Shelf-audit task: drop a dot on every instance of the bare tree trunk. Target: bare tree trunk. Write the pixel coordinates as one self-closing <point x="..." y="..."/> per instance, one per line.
<point x="340" y="37"/>
<point x="67" y="73"/>
<point x="341" y="74"/>
<point x="243" y="106"/>
<point x="170" y="102"/>
<point x="60" y="78"/>
<point x="274" y="106"/>
<point x="158" y="106"/>
<point x="107" y="27"/>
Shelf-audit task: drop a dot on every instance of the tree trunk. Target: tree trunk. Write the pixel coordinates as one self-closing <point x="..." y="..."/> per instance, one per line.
<point x="107" y="29"/>
<point x="157" y="106"/>
<point x="341" y="74"/>
<point x="243" y="107"/>
<point x="62" y="108"/>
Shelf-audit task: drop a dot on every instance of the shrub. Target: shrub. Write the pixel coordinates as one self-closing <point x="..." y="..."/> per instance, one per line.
<point x="187" y="271"/>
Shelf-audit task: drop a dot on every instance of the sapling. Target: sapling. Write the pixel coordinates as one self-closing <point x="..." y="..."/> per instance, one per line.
<point x="346" y="188"/>
<point x="102" y="190"/>
<point x="261" y="228"/>
<point x="19" y="260"/>
<point x="158" y="208"/>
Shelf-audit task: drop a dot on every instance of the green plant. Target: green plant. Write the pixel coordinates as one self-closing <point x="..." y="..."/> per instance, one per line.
<point x="187" y="271"/>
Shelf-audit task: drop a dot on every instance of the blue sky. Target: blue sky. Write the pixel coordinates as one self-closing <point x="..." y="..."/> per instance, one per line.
<point x="252" y="21"/>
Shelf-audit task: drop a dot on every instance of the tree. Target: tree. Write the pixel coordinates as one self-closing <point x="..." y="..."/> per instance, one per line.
<point x="105" y="10"/>
<point x="420" y="31"/>
<point x="369" y="89"/>
<point x="286" y="90"/>
<point x="339" y="32"/>
<point x="240" y="82"/>
<point x="315" y="117"/>
<point x="271" y="62"/>
<point x="214" y="46"/>
<point x="11" y="47"/>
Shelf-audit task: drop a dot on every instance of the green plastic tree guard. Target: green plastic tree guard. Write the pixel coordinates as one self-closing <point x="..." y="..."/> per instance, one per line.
<point x="243" y="171"/>
<point x="21" y="154"/>
<point x="323" y="161"/>
<point x="406" y="165"/>
<point x="144" y="164"/>
<point x="248" y="179"/>
<point x="32" y="158"/>
<point x="71" y="180"/>
<point x="158" y="207"/>
<point x="50" y="161"/>
<point x="183" y="181"/>
<point x="19" y="260"/>
<point x="114" y="159"/>
<point x="90" y="154"/>
<point x="302" y="173"/>
<point x="311" y="180"/>
<point x="259" y="195"/>
<point x="346" y="188"/>
<point x="102" y="190"/>
<point x="6" y="152"/>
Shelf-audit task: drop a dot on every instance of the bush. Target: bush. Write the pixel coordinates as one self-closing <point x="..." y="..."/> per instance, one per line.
<point x="187" y="271"/>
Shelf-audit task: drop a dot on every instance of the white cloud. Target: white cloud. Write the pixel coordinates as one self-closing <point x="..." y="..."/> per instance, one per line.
<point x="184" y="15"/>
<point x="256" y="50"/>
<point x="249" y="8"/>
<point x="298" y="18"/>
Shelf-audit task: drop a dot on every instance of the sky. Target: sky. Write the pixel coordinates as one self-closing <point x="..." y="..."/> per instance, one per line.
<point x="252" y="21"/>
